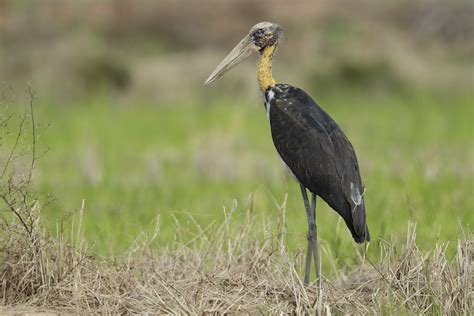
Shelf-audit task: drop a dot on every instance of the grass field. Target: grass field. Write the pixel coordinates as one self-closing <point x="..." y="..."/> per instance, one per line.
<point x="132" y="164"/>
<point x="187" y="205"/>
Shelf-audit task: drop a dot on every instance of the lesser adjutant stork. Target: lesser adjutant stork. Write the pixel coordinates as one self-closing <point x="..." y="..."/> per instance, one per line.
<point x="308" y="140"/>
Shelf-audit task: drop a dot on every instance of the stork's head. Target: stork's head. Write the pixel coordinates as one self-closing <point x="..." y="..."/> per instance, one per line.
<point x="261" y="35"/>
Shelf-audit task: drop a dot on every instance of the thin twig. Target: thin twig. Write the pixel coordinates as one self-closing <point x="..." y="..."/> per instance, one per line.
<point x="12" y="151"/>
<point x="15" y="212"/>
<point x="33" y="133"/>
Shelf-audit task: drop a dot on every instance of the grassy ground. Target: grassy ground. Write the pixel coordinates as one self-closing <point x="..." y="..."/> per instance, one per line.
<point x="131" y="164"/>
<point x="225" y="267"/>
<point x="193" y="211"/>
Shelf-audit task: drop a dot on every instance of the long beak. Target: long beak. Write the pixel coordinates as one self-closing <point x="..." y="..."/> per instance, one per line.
<point x="243" y="50"/>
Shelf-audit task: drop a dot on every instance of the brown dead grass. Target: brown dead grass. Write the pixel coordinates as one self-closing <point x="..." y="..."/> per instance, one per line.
<point x="223" y="268"/>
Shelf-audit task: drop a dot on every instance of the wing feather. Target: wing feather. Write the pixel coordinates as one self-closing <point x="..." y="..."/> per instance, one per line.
<point x="319" y="154"/>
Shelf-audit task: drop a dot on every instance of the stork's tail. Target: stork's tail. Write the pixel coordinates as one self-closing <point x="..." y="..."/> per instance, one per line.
<point x="359" y="229"/>
<point x="362" y="237"/>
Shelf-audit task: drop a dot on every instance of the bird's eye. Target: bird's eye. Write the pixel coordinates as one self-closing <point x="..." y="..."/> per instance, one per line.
<point x="259" y="32"/>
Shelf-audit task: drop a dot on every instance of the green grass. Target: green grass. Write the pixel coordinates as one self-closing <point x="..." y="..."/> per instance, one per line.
<point x="132" y="164"/>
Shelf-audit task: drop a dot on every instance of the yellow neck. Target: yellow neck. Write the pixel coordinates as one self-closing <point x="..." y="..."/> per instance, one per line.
<point x="264" y="75"/>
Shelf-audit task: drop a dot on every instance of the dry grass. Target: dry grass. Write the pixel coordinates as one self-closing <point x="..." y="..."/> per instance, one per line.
<point x="222" y="268"/>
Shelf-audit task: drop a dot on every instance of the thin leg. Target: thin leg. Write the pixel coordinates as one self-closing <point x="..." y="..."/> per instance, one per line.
<point x="314" y="235"/>
<point x="307" y="268"/>
<point x="312" y="247"/>
<point x="309" y="247"/>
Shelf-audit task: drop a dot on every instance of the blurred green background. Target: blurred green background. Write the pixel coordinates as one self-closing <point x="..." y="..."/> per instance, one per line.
<point x="130" y="129"/>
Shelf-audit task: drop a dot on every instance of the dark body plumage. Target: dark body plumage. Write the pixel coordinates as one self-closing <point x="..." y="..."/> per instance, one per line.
<point x="318" y="153"/>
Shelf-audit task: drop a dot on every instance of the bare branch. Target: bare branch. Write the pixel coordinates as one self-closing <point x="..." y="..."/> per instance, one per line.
<point x="16" y="213"/>
<point x="12" y="151"/>
<point x="33" y="134"/>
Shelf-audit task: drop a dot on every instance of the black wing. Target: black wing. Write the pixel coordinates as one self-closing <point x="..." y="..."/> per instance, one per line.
<point x="318" y="153"/>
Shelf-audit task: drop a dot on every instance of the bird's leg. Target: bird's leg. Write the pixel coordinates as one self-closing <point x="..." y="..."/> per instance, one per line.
<point x="309" y="247"/>
<point x="307" y="269"/>
<point x="313" y="234"/>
